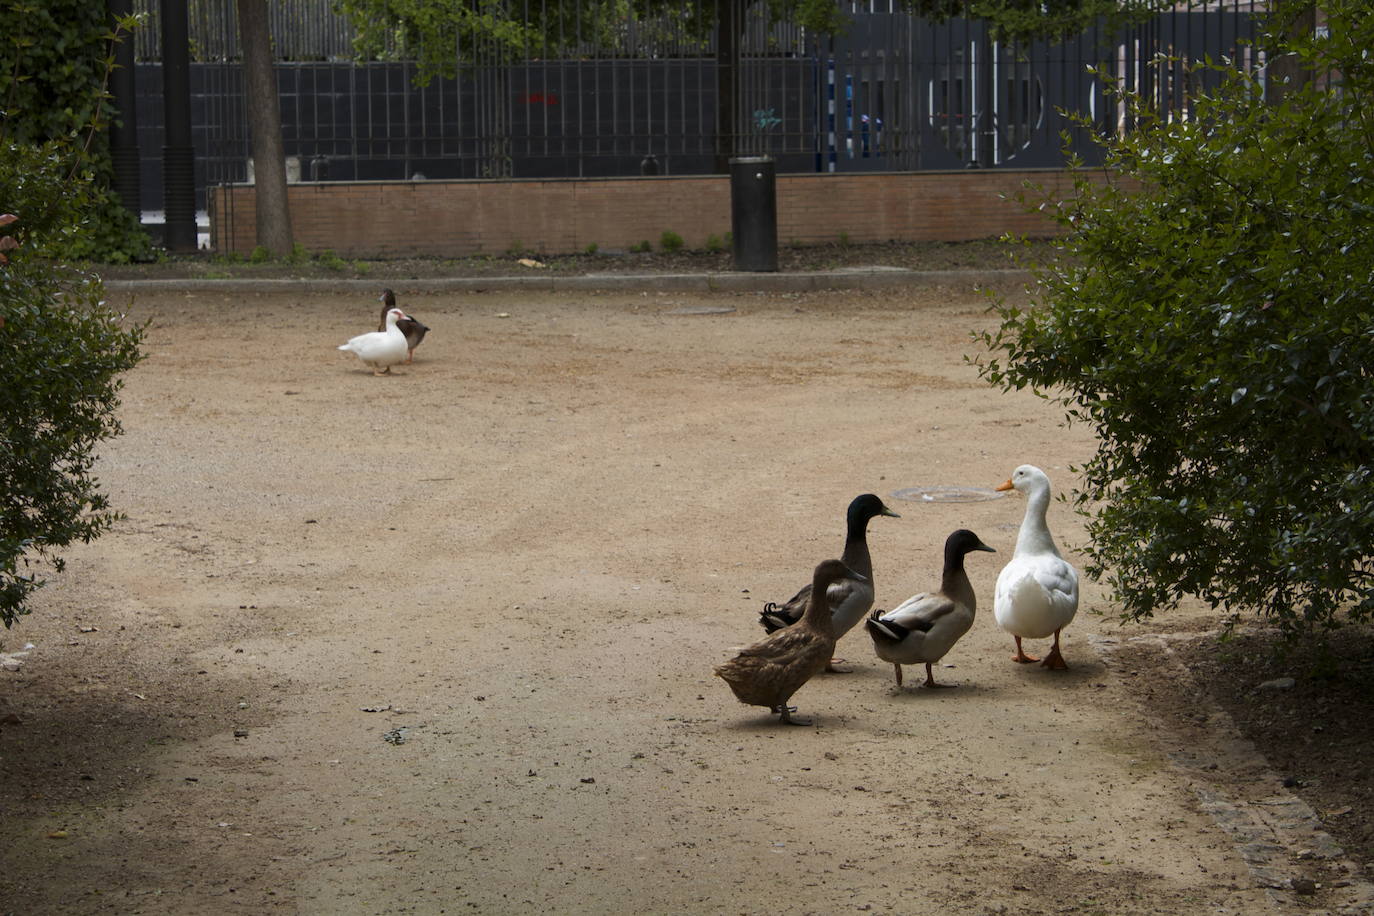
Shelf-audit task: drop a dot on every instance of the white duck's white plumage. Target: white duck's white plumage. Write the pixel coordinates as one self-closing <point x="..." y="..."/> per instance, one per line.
<point x="1037" y="592"/>
<point x="924" y="627"/>
<point x="380" y="350"/>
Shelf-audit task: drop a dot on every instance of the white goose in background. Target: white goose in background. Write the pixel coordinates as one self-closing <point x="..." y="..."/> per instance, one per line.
<point x="1037" y="592"/>
<point x="380" y="350"/>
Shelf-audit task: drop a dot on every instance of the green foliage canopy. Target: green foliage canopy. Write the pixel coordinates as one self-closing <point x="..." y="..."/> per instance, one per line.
<point x="61" y="354"/>
<point x="54" y="58"/>
<point x="1213" y="319"/>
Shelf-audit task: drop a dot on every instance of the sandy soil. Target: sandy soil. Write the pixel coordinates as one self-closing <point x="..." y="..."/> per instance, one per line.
<point x="442" y="642"/>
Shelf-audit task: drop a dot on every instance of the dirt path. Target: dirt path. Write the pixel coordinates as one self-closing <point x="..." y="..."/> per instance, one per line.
<point x="521" y="556"/>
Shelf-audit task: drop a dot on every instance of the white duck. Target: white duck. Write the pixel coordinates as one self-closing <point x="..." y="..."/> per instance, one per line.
<point x="1037" y="592"/>
<point x="926" y="626"/>
<point x="381" y="350"/>
<point x="413" y="328"/>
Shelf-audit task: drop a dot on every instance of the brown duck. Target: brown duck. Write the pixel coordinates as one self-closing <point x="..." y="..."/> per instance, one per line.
<point x="849" y="599"/>
<point x="768" y="672"/>
<point x="413" y="329"/>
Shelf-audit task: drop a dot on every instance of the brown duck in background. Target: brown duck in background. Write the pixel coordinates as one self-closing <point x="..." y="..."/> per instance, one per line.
<point x="768" y="672"/>
<point x="413" y="329"/>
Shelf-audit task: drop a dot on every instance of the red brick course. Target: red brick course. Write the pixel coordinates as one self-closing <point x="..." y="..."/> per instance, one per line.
<point x="560" y="216"/>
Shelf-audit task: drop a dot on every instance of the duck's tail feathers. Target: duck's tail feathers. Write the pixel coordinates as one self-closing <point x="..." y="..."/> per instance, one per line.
<point x="886" y="630"/>
<point x="774" y="618"/>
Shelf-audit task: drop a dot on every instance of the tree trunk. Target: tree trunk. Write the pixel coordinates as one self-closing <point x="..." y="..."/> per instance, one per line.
<point x="264" y="125"/>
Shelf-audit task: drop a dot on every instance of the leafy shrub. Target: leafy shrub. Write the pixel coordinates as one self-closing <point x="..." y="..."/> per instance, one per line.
<point x="61" y="352"/>
<point x="52" y="99"/>
<point x="1212" y="320"/>
<point x="713" y="243"/>
<point x="61" y="349"/>
<point x="670" y="241"/>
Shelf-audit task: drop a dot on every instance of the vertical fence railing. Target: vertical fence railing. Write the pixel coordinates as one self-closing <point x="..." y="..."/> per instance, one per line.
<point x="594" y="92"/>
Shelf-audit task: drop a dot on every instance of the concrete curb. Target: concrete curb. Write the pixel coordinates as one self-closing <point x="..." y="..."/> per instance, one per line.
<point x="850" y="278"/>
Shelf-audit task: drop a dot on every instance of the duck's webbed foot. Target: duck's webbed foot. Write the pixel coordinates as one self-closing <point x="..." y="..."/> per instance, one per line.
<point x="1021" y="657"/>
<point x="930" y="679"/>
<point x="787" y="719"/>
<point x="1054" y="660"/>
<point x="832" y="668"/>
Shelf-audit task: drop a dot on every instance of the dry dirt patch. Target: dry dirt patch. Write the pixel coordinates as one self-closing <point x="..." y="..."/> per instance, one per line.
<point x="442" y="642"/>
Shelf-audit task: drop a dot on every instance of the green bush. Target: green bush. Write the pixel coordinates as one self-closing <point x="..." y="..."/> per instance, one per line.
<point x="61" y="352"/>
<point x="1212" y="319"/>
<point x="52" y="98"/>
<point x="61" y="349"/>
<point x="670" y="241"/>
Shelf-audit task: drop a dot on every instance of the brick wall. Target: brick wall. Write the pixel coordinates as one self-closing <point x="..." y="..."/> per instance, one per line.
<point x="559" y="216"/>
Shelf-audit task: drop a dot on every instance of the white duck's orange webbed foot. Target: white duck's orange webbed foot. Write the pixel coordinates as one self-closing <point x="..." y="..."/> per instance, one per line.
<point x="1055" y="661"/>
<point x="1021" y="657"/>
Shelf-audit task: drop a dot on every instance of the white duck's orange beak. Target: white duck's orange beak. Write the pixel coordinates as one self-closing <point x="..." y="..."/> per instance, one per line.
<point x="1005" y="486"/>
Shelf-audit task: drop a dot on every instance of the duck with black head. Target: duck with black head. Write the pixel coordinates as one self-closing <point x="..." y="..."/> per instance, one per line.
<point x="924" y="627"/>
<point x="849" y="599"/>
<point x="411" y="327"/>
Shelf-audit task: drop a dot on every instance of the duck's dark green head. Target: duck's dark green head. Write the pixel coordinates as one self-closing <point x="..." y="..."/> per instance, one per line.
<point x="865" y="507"/>
<point x="963" y="542"/>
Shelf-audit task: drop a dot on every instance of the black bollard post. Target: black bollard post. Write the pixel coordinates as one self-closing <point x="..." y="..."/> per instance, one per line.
<point x="754" y="213"/>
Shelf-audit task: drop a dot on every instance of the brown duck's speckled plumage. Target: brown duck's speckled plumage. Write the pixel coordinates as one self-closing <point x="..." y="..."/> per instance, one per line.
<point x="768" y="672"/>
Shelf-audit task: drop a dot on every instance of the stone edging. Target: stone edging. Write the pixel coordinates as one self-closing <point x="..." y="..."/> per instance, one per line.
<point x="1273" y="834"/>
<point x="786" y="282"/>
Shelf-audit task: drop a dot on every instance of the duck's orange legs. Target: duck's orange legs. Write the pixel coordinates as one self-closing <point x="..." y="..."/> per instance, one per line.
<point x="1054" y="660"/>
<point x="1021" y="657"/>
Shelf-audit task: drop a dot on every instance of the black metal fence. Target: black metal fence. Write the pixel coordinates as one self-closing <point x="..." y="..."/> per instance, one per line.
<point x="893" y="93"/>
